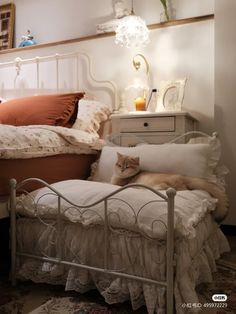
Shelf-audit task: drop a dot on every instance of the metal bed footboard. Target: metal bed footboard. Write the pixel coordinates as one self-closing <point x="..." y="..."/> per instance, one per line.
<point x="169" y="199"/>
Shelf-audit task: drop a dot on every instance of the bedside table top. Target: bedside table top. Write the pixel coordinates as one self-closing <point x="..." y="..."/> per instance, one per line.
<point x="143" y="114"/>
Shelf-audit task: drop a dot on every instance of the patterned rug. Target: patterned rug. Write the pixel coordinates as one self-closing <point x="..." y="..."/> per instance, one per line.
<point x="29" y="298"/>
<point x="224" y="283"/>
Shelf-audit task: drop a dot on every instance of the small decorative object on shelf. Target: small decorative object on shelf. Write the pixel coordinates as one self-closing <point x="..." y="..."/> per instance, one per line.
<point x="165" y="16"/>
<point x="110" y="26"/>
<point x="7" y="20"/>
<point x="27" y="40"/>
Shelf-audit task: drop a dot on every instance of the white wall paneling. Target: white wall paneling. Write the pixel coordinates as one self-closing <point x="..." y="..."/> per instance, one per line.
<point x="54" y="73"/>
<point x="225" y="92"/>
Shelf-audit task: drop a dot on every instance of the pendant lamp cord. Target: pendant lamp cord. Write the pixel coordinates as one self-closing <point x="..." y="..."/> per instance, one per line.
<point x="132" y="7"/>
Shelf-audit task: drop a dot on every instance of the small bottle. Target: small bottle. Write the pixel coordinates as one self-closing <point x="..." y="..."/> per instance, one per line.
<point x="152" y="101"/>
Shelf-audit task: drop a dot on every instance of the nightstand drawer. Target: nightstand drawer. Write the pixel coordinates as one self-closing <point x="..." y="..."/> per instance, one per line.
<point x="148" y="124"/>
<point x="154" y="128"/>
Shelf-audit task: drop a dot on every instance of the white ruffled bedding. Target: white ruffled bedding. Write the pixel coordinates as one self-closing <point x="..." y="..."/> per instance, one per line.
<point x="198" y="243"/>
<point x="190" y="207"/>
<point x="44" y="140"/>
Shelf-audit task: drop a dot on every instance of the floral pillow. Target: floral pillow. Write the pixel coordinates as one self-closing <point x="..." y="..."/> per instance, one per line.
<point x="90" y="115"/>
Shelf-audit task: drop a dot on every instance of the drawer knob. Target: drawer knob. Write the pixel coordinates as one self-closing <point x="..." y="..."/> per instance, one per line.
<point x="145" y="124"/>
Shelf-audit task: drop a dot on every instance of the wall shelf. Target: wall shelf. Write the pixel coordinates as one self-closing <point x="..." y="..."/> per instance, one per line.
<point x="182" y="21"/>
<point x="97" y="36"/>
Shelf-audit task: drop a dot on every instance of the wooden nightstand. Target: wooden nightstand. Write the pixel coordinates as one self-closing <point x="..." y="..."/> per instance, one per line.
<point x="153" y="128"/>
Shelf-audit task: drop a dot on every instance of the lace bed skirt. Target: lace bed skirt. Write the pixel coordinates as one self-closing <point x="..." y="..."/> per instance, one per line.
<point x="195" y="262"/>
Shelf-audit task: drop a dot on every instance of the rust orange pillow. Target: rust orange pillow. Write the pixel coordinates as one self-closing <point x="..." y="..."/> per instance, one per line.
<point x="56" y="109"/>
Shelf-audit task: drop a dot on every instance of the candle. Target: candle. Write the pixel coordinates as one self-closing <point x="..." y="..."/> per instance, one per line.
<point x="140" y="103"/>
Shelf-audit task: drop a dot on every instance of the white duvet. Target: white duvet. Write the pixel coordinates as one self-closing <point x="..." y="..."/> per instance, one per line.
<point x="134" y="209"/>
<point x="44" y="140"/>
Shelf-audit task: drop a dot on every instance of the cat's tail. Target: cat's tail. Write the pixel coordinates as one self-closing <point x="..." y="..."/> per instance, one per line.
<point x="222" y="206"/>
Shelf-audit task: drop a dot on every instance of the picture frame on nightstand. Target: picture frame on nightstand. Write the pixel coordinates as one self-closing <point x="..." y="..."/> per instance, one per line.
<point x="171" y="95"/>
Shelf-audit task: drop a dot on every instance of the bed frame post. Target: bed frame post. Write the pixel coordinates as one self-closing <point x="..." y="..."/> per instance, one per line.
<point x="106" y="235"/>
<point x="170" y="253"/>
<point x="57" y="70"/>
<point x="59" y="243"/>
<point x="37" y="72"/>
<point x="13" y="184"/>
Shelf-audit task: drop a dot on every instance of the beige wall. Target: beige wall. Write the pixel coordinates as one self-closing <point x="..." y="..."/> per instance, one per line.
<point x="173" y="53"/>
<point x="225" y="91"/>
<point x="53" y="20"/>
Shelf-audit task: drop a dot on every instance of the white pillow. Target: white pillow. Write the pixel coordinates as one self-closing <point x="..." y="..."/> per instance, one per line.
<point x="186" y="159"/>
<point x="219" y="170"/>
<point x="90" y="114"/>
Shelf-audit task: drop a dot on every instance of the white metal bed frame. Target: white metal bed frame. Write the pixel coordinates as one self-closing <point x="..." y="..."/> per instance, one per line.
<point x="170" y="258"/>
<point x="107" y="86"/>
<point x="169" y="199"/>
<point x="100" y="89"/>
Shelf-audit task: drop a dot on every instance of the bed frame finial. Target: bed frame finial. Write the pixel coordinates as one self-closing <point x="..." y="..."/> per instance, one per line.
<point x="18" y="61"/>
<point x="171" y="192"/>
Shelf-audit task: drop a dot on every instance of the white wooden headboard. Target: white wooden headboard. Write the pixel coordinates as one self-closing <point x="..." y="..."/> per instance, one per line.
<point x="54" y="73"/>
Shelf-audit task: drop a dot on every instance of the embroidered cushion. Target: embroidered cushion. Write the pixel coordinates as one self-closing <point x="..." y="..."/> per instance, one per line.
<point x="90" y="115"/>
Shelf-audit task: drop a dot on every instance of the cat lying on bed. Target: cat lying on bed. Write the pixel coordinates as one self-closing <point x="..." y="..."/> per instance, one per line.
<point x="127" y="170"/>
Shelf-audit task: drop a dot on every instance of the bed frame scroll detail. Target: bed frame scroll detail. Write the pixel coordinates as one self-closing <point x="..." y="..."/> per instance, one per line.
<point x="168" y="198"/>
<point x="107" y="87"/>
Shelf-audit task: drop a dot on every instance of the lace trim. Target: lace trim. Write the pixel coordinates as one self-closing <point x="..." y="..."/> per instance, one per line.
<point x="193" y="267"/>
<point x="217" y="172"/>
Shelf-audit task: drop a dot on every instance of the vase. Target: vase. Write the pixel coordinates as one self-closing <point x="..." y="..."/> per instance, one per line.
<point x="165" y="15"/>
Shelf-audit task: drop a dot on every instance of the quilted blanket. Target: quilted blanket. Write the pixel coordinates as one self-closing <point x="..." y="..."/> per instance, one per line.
<point x="43" y="140"/>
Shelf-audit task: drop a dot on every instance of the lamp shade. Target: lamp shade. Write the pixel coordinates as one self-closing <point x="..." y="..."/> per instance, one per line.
<point x="132" y="32"/>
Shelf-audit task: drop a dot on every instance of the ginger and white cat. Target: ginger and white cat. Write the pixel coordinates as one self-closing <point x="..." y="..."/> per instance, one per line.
<point x="127" y="170"/>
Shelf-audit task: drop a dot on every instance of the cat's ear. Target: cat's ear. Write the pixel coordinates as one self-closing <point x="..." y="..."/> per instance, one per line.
<point x="119" y="155"/>
<point x="136" y="160"/>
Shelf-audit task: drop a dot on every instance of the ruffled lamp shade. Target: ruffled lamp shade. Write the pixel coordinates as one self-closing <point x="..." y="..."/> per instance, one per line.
<point x="132" y="31"/>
